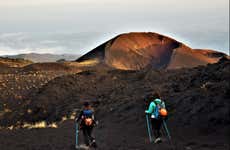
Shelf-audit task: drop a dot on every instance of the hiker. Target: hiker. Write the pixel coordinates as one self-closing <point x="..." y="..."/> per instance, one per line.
<point x="87" y="123"/>
<point x="157" y="113"/>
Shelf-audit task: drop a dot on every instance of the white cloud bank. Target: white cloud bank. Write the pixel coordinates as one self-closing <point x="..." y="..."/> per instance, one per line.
<point x="88" y="23"/>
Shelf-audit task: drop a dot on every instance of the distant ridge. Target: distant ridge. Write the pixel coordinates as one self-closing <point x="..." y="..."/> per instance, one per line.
<point x="35" y="57"/>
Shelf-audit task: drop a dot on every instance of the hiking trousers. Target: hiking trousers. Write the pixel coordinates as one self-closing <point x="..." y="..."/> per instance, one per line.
<point x="156" y="126"/>
<point x="87" y="133"/>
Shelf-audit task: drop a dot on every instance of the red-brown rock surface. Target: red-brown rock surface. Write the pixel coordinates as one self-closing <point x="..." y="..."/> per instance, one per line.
<point x="134" y="51"/>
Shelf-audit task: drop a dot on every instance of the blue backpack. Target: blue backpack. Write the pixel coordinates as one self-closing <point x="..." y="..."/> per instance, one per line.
<point x="87" y="113"/>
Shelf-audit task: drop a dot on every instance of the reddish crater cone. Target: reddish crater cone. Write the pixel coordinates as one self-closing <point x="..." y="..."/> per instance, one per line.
<point x="134" y="51"/>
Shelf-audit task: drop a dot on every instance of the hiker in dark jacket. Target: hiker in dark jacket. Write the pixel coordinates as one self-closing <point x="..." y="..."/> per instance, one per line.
<point x="87" y="122"/>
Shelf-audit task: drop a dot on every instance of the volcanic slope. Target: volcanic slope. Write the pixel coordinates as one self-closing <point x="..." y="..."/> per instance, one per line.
<point x="9" y="64"/>
<point x="197" y="100"/>
<point x="133" y="51"/>
<point x="18" y="80"/>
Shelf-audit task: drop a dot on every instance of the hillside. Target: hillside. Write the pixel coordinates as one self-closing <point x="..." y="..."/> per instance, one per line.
<point x="134" y="51"/>
<point x="197" y="100"/>
<point x="13" y="62"/>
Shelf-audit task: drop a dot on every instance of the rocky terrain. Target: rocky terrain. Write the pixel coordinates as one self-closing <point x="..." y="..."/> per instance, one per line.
<point x="39" y="101"/>
<point x="197" y="99"/>
<point x="10" y="62"/>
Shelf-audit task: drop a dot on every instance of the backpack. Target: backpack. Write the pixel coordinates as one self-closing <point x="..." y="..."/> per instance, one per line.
<point x="87" y="117"/>
<point x="160" y="110"/>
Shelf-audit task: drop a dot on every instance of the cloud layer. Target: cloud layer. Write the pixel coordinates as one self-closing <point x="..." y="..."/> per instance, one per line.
<point x="80" y="43"/>
<point x="76" y="26"/>
<point x="56" y="43"/>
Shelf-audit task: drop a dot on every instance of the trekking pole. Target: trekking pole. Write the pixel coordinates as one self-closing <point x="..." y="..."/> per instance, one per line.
<point x="77" y="138"/>
<point x="168" y="134"/>
<point x="149" y="128"/>
<point x="166" y="129"/>
<point x="163" y="132"/>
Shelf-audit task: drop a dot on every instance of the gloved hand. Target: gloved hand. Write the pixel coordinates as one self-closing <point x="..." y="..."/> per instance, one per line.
<point x="97" y="122"/>
<point x="146" y="111"/>
<point x="77" y="121"/>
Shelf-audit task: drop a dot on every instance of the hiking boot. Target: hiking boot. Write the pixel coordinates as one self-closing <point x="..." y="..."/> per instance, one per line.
<point x="84" y="146"/>
<point x="158" y="140"/>
<point x="77" y="147"/>
<point x="94" y="144"/>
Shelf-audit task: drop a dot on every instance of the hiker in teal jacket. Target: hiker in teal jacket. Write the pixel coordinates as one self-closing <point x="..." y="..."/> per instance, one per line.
<point x="153" y="105"/>
<point x="156" y="120"/>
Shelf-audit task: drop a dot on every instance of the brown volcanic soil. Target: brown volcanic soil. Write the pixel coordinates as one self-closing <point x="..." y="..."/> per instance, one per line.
<point x="48" y="67"/>
<point x="17" y="83"/>
<point x="197" y="99"/>
<point x="135" y="51"/>
<point x="8" y="65"/>
<point x="14" y="62"/>
<point x="15" y="87"/>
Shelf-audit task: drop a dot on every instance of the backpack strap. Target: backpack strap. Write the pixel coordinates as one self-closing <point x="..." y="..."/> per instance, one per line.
<point x="87" y="113"/>
<point x="156" y="111"/>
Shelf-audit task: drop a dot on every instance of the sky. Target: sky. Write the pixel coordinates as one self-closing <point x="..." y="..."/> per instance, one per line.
<point x="77" y="26"/>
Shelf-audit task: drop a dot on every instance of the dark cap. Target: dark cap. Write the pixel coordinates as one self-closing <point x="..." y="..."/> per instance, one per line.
<point x="86" y="104"/>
